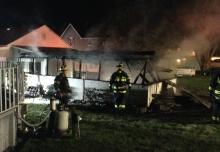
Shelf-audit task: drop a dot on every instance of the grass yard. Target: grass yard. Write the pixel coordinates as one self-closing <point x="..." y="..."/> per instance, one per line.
<point x="198" y="84"/>
<point x="101" y="130"/>
<point x="108" y="132"/>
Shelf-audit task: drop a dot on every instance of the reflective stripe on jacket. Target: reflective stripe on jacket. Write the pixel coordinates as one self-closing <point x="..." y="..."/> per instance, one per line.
<point x="217" y="94"/>
<point x="119" y="91"/>
<point x="120" y="106"/>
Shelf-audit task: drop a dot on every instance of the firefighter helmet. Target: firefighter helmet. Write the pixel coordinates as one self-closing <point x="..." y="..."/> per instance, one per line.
<point x="120" y="65"/>
<point x="63" y="68"/>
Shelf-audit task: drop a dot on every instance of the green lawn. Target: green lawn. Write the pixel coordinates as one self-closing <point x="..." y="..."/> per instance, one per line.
<point x="198" y="84"/>
<point x="105" y="131"/>
<point x="122" y="132"/>
<point x="36" y="112"/>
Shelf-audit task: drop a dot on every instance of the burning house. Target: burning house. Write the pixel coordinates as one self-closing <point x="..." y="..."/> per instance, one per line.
<point x="41" y="52"/>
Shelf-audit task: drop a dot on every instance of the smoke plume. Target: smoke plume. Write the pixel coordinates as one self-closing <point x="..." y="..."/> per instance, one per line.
<point x="141" y="25"/>
<point x="171" y="28"/>
<point x="202" y="21"/>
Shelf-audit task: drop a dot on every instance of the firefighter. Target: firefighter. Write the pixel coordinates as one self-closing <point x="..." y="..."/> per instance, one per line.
<point x="62" y="87"/>
<point x="214" y="90"/>
<point x="119" y="85"/>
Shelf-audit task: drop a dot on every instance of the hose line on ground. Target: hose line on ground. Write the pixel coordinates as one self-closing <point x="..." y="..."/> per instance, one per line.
<point x="34" y="125"/>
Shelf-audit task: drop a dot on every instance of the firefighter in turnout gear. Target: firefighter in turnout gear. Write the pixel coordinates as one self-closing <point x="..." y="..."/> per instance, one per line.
<point x="214" y="90"/>
<point x="62" y="87"/>
<point x="119" y="85"/>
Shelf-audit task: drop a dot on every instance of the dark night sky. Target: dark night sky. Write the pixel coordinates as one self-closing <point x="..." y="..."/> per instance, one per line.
<point x="57" y="14"/>
<point x="21" y="15"/>
<point x="157" y="24"/>
<point x="82" y="13"/>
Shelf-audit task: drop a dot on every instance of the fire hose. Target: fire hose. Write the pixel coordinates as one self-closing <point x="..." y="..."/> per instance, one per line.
<point x="33" y="125"/>
<point x="37" y="124"/>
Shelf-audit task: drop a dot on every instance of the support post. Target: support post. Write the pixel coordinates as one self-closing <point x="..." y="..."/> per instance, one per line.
<point x="142" y="75"/>
<point x="100" y="64"/>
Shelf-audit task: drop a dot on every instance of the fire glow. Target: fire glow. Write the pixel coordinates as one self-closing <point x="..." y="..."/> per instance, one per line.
<point x="178" y="60"/>
<point x="215" y="58"/>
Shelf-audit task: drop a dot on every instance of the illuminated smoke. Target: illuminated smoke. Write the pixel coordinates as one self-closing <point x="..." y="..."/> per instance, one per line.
<point x="174" y="29"/>
<point x="34" y="46"/>
<point x="202" y="20"/>
<point x="162" y="24"/>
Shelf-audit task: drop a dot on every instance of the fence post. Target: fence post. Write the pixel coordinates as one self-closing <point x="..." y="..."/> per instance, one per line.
<point x="9" y="86"/>
<point x="5" y="94"/>
<point x="17" y="87"/>
<point x="13" y="85"/>
<point x="0" y="90"/>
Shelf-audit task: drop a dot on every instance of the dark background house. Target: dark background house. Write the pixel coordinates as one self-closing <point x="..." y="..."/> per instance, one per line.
<point x="74" y="39"/>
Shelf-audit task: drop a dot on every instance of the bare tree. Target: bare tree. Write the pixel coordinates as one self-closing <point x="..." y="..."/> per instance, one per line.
<point x="204" y="58"/>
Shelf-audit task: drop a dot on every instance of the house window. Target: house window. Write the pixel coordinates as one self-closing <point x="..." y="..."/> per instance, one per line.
<point x="52" y="67"/>
<point x="27" y="64"/>
<point x="89" y="44"/>
<point x="87" y="69"/>
<point x="40" y="66"/>
<point x="70" y="40"/>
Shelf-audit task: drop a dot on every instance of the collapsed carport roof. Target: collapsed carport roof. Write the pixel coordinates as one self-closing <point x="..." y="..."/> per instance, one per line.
<point x="71" y="53"/>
